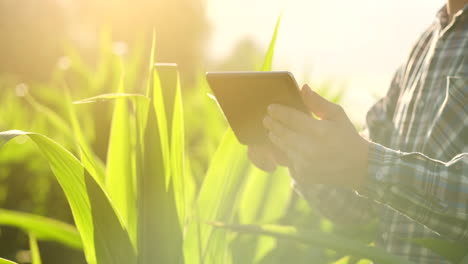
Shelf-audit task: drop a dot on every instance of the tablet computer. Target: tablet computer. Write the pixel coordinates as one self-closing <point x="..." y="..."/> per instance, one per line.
<point x="244" y="97"/>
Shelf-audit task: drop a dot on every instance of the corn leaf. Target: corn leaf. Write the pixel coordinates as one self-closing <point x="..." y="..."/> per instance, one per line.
<point x="171" y="93"/>
<point x="42" y="228"/>
<point x="120" y="177"/>
<point x="55" y="119"/>
<point x="450" y="250"/>
<point x="268" y="60"/>
<point x="104" y="238"/>
<point x="265" y="196"/>
<point x="178" y="154"/>
<point x="158" y="222"/>
<point x="264" y="199"/>
<point x="89" y="159"/>
<point x="216" y="200"/>
<point x="160" y="114"/>
<point x="34" y="248"/>
<point x="317" y="239"/>
<point x="109" y="96"/>
<point x="5" y="261"/>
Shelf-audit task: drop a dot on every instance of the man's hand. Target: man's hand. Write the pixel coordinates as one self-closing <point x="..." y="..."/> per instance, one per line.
<point x="319" y="151"/>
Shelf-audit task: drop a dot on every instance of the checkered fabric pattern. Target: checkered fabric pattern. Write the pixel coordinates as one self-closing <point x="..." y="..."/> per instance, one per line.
<point x="417" y="183"/>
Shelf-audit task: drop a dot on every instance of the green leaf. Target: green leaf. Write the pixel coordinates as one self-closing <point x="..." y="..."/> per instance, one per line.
<point x="268" y="60"/>
<point x="317" y="239"/>
<point x="5" y="261"/>
<point x="264" y="199"/>
<point x="178" y="154"/>
<point x="104" y="238"/>
<point x="89" y="159"/>
<point x="158" y="222"/>
<point x="171" y="94"/>
<point x="450" y="250"/>
<point x="109" y="96"/>
<point x="216" y="200"/>
<point x="42" y="228"/>
<point x="55" y="119"/>
<point x="256" y="205"/>
<point x="120" y="176"/>
<point x="34" y="248"/>
<point x="159" y="108"/>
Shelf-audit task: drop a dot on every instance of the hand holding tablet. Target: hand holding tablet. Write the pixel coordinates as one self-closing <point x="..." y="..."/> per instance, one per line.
<point x="245" y="96"/>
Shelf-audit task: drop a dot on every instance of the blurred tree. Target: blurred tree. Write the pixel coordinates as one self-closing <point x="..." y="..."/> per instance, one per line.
<point x="180" y="25"/>
<point x="33" y="32"/>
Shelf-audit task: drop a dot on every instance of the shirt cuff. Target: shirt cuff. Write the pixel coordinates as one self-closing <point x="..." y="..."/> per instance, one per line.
<point x="379" y="179"/>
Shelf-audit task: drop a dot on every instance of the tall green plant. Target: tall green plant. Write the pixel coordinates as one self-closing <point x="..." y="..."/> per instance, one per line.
<point x="142" y="206"/>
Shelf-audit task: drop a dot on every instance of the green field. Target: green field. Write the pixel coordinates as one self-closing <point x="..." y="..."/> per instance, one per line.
<point x="100" y="163"/>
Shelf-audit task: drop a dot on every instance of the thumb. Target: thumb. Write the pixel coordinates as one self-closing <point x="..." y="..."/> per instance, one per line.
<point x="320" y="106"/>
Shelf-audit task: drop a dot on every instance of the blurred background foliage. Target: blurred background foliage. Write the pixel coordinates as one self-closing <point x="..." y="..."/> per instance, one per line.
<point x="53" y="47"/>
<point x="35" y="33"/>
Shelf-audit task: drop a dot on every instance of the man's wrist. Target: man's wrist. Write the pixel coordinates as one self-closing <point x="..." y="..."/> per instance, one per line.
<point x="378" y="179"/>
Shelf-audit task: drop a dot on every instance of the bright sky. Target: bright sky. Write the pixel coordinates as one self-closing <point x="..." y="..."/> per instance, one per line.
<point x="360" y="43"/>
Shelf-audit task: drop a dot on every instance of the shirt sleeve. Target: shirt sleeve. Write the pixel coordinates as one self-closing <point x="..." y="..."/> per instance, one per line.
<point x="342" y="206"/>
<point x="430" y="192"/>
<point x="345" y="206"/>
<point x="379" y="119"/>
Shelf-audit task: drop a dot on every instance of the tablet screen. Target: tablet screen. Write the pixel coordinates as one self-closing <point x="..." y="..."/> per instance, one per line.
<point x="245" y="96"/>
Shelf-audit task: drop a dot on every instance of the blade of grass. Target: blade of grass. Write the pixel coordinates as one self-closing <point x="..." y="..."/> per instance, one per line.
<point x="172" y="97"/>
<point x="159" y="108"/>
<point x="157" y="216"/>
<point x="89" y="159"/>
<point x="70" y="175"/>
<point x="450" y="250"/>
<point x="264" y="199"/>
<point x="109" y="96"/>
<point x="34" y="248"/>
<point x="216" y="200"/>
<point x="257" y="205"/>
<point x="317" y="239"/>
<point x="158" y="223"/>
<point x="178" y="154"/>
<point x="43" y="228"/>
<point x="94" y="216"/>
<point x="268" y="60"/>
<point x="56" y="120"/>
<point x="5" y="261"/>
<point x="120" y="179"/>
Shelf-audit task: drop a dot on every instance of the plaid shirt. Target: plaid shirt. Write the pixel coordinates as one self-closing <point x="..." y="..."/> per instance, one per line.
<point x="417" y="183"/>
